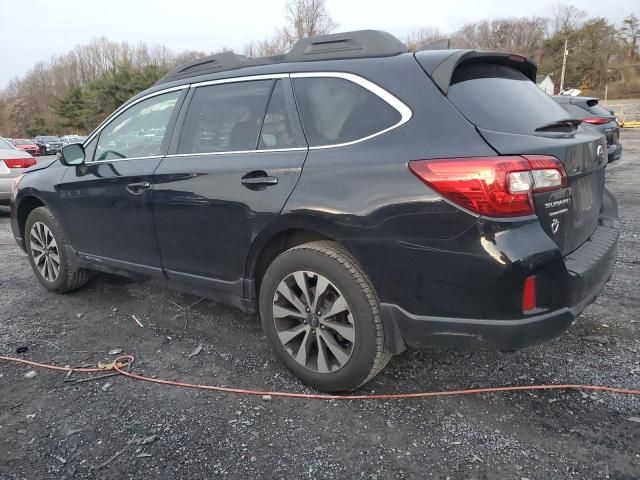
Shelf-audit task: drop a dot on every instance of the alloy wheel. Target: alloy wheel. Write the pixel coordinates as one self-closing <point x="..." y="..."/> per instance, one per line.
<point x="44" y="251"/>
<point x="314" y="322"/>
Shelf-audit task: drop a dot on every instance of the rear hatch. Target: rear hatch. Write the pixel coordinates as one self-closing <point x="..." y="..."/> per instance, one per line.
<point x="611" y="128"/>
<point x="515" y="117"/>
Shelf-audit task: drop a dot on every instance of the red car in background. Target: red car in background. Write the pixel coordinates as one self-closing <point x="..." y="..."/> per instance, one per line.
<point x="26" y="146"/>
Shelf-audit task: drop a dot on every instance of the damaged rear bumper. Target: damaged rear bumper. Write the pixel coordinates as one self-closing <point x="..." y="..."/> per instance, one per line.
<point x="588" y="269"/>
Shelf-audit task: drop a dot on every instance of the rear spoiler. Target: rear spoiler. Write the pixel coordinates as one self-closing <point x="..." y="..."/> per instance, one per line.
<point x="440" y="64"/>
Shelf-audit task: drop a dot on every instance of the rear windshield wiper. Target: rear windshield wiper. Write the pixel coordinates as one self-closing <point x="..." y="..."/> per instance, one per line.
<point x="564" y="124"/>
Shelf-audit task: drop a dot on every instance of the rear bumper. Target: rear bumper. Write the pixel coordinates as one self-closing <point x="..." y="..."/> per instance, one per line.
<point x="614" y="152"/>
<point x="586" y="272"/>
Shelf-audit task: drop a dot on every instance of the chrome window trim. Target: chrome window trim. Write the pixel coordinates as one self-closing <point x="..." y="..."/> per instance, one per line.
<point x="247" y="78"/>
<point x="230" y="152"/>
<point x="405" y="112"/>
<point x="110" y="160"/>
<point x="395" y="102"/>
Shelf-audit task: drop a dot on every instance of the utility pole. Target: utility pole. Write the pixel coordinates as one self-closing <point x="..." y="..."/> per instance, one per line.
<point x="564" y="65"/>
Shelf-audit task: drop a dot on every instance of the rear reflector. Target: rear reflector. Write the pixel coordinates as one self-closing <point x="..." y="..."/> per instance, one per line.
<point x="529" y="294"/>
<point x="20" y="162"/>
<point x="596" y="120"/>
<point x="492" y="186"/>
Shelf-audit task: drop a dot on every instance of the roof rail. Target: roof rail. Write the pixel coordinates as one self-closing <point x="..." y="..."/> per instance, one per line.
<point x="209" y="64"/>
<point x="357" y="44"/>
<point x="335" y="46"/>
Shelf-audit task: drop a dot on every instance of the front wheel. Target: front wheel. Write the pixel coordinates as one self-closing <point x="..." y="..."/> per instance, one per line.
<point x="49" y="259"/>
<point x="321" y="316"/>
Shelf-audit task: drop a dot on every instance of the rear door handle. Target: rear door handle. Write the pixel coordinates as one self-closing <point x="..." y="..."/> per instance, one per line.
<point x="138" y="188"/>
<point x="258" y="180"/>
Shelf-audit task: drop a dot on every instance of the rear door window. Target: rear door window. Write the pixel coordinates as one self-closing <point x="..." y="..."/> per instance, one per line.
<point x="500" y="98"/>
<point x="225" y="117"/>
<point x="336" y="111"/>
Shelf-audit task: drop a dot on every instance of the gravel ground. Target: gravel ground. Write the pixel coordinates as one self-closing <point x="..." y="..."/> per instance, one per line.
<point x="50" y="428"/>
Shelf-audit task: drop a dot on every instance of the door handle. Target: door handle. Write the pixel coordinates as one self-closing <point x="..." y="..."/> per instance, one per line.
<point x="137" y="188"/>
<point x="258" y="180"/>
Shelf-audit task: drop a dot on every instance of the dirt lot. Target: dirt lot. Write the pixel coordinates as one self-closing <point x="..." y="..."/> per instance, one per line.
<point x="50" y="428"/>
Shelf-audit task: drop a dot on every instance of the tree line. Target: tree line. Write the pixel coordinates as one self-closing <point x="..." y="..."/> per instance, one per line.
<point x="73" y="92"/>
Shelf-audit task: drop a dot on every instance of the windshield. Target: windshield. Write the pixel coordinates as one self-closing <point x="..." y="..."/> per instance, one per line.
<point x="22" y="142"/>
<point x="49" y="139"/>
<point x="502" y="99"/>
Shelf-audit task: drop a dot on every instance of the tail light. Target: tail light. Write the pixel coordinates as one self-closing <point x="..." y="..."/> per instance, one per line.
<point x="492" y="186"/>
<point x="20" y="162"/>
<point x="596" y="120"/>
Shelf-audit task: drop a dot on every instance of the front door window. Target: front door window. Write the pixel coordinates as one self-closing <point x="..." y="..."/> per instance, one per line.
<point x="139" y="131"/>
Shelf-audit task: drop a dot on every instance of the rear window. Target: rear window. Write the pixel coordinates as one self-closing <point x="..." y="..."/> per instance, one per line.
<point x="502" y="99"/>
<point x="335" y="111"/>
<point x="575" y="111"/>
<point x="599" y="110"/>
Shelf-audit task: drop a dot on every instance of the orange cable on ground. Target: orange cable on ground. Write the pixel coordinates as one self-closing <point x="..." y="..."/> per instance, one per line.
<point x="126" y="361"/>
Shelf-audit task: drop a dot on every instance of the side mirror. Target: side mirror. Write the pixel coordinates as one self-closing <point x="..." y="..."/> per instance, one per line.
<point x="72" y="154"/>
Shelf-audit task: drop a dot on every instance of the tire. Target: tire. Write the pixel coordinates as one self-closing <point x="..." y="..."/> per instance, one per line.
<point x="345" y="348"/>
<point x="68" y="277"/>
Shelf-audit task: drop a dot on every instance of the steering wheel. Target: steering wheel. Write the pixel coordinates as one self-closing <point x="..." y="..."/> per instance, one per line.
<point x="107" y="152"/>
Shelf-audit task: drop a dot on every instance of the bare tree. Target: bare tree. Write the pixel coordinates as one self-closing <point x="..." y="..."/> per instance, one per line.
<point x="307" y="18"/>
<point x="523" y="35"/>
<point x="422" y="36"/>
<point x="566" y="18"/>
<point x="304" y="18"/>
<point x="274" y="45"/>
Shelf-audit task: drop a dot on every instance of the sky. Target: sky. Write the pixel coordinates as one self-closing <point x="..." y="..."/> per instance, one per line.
<point x="34" y="30"/>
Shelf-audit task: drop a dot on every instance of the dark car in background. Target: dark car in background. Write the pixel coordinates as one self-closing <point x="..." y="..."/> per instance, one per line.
<point x="48" y="144"/>
<point x="360" y="197"/>
<point x="590" y="111"/>
<point x="26" y="145"/>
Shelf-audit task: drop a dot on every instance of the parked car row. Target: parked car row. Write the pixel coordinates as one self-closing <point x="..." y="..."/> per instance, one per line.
<point x="362" y="198"/>
<point x="45" y="144"/>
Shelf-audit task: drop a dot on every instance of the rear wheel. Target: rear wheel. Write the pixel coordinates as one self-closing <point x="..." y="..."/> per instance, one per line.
<point x="46" y="249"/>
<point x="321" y="316"/>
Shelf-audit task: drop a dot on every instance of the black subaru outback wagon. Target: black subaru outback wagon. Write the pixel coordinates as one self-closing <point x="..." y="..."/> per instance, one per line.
<point x="361" y="198"/>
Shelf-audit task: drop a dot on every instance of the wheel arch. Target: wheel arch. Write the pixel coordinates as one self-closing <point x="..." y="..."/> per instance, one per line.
<point x="27" y="205"/>
<point x="271" y="243"/>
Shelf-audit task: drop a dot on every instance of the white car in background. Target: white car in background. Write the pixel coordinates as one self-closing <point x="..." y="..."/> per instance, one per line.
<point x="68" y="139"/>
<point x="12" y="163"/>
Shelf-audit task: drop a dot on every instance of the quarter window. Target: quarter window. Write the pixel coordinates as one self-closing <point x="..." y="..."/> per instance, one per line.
<point x="336" y="110"/>
<point x="281" y="127"/>
<point x="225" y="117"/>
<point x="139" y="131"/>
